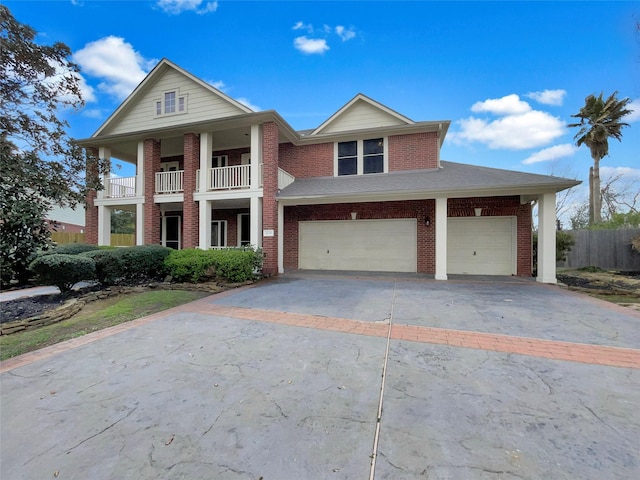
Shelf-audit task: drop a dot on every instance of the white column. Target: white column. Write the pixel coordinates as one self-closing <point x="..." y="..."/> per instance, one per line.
<point x="256" y="156"/>
<point x="104" y="153"/>
<point x="204" y="222"/>
<point x="139" y="223"/>
<point x="547" y="238"/>
<point x="104" y="225"/>
<point x="255" y="222"/>
<point x="280" y="237"/>
<point x="140" y="174"/>
<point x="206" y="152"/>
<point x="441" y="239"/>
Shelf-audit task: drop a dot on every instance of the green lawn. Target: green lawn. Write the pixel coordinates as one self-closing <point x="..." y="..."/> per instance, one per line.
<point x="95" y="316"/>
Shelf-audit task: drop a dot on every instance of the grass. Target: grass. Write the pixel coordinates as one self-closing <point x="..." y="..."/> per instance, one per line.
<point x="95" y="316"/>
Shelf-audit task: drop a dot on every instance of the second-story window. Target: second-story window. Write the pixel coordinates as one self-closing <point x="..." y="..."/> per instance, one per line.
<point x="171" y="103"/>
<point x="360" y="157"/>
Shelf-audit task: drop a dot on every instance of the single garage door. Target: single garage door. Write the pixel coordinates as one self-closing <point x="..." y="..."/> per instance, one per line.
<point x="364" y="245"/>
<point x="481" y="245"/>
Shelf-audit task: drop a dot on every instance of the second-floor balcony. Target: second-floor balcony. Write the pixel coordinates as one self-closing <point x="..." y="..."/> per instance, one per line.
<point x="227" y="178"/>
<point x="118" y="187"/>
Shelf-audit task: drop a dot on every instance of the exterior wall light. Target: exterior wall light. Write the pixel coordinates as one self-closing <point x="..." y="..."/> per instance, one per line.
<point x="478" y="211"/>
<point x="354" y="215"/>
<point x="427" y="220"/>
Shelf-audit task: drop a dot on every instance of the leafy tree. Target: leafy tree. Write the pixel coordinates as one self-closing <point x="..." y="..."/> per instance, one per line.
<point x="40" y="165"/>
<point x="600" y="120"/>
<point x="123" y="221"/>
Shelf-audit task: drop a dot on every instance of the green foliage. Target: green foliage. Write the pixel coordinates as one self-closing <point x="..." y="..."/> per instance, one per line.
<point x="591" y="269"/>
<point x="564" y="242"/>
<point x="41" y="167"/>
<point x="71" y="249"/>
<point x="191" y="264"/>
<point x="233" y="265"/>
<point x="143" y="262"/>
<point x="23" y="232"/>
<point x="109" y="265"/>
<point x="123" y="221"/>
<point x="63" y="271"/>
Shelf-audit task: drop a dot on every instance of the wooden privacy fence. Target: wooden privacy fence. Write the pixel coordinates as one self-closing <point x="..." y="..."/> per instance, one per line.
<point x="117" y="239"/>
<point x="606" y="249"/>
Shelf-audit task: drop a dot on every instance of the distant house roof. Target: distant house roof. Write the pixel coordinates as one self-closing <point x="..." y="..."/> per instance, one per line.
<point x="451" y="179"/>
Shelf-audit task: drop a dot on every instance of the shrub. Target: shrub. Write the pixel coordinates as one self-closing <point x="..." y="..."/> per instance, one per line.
<point x="143" y="262"/>
<point x="71" y="249"/>
<point x="190" y="265"/>
<point x="233" y="265"/>
<point x="63" y="271"/>
<point x="109" y="265"/>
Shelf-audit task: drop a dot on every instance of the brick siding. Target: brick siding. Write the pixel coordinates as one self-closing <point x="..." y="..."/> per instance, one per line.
<point x="91" y="211"/>
<point x="412" y="152"/>
<point x="269" y="205"/>
<point x="151" y="209"/>
<point x="191" y="218"/>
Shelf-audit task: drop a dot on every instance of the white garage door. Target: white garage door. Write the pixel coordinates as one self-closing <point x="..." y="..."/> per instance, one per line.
<point x="365" y="245"/>
<point x="481" y="245"/>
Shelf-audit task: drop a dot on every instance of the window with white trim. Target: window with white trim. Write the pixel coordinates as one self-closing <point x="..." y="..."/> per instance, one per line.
<point x="171" y="103"/>
<point x="218" y="233"/>
<point x="219" y="161"/>
<point x="360" y="157"/>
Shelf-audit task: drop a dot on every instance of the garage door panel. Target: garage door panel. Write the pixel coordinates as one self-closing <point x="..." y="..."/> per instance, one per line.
<point x="481" y="246"/>
<point x="367" y="245"/>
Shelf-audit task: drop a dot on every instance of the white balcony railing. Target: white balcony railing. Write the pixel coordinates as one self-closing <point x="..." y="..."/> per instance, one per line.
<point x="170" y="182"/>
<point x="284" y="179"/>
<point x="119" y="187"/>
<point x="226" y="178"/>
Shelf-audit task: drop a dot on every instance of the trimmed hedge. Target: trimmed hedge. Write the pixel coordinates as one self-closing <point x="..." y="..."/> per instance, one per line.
<point x="63" y="270"/>
<point x="144" y="262"/>
<point x="233" y="265"/>
<point x="71" y="249"/>
<point x="109" y="265"/>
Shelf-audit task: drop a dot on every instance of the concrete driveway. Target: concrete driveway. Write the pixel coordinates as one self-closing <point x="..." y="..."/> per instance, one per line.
<point x="338" y="377"/>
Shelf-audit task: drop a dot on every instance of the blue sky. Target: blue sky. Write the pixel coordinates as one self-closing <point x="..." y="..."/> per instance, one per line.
<point x="507" y="74"/>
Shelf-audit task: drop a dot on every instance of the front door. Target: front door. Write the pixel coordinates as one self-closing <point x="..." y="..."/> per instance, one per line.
<point x="171" y="231"/>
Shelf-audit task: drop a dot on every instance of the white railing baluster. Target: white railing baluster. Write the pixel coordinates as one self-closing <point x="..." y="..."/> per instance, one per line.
<point x="170" y="182"/>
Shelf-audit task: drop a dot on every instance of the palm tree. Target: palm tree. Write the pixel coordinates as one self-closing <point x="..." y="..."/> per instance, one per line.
<point x="599" y="120"/>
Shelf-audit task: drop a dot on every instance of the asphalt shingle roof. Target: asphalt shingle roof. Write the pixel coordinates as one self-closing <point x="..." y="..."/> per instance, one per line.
<point x="451" y="177"/>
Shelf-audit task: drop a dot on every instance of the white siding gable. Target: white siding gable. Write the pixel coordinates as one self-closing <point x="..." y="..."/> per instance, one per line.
<point x="362" y="115"/>
<point x="200" y="102"/>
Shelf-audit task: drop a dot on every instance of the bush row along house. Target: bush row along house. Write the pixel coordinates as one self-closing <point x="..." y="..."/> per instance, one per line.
<point x="364" y="191"/>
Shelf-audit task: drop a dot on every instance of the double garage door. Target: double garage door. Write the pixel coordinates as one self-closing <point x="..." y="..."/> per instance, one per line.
<point x="475" y="245"/>
<point x="360" y="245"/>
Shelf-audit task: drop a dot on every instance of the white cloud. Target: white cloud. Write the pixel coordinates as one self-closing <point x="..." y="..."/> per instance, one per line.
<point x="516" y="132"/>
<point x="303" y="26"/>
<point x="219" y="84"/>
<point x="517" y="127"/>
<point x="310" y="46"/>
<point x="510" y="104"/>
<point x="116" y="63"/>
<point x="551" y="153"/>
<point x="629" y="173"/>
<point x="175" y="7"/>
<point x="345" y="34"/>
<point x="247" y="103"/>
<point x="92" y="113"/>
<point x="548" y="97"/>
<point x="635" y="115"/>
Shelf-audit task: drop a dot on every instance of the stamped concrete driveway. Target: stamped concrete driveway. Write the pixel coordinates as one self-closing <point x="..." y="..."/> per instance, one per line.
<point x="327" y="376"/>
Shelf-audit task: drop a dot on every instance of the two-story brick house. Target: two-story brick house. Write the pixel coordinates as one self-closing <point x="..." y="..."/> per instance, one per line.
<point x="364" y="191"/>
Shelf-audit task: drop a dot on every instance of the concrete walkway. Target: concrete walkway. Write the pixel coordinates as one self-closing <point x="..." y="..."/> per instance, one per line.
<point x="318" y="376"/>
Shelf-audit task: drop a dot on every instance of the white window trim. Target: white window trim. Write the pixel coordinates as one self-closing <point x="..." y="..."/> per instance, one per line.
<point x="224" y="158"/>
<point x="219" y="222"/>
<point x="184" y="96"/>
<point x="360" y="155"/>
